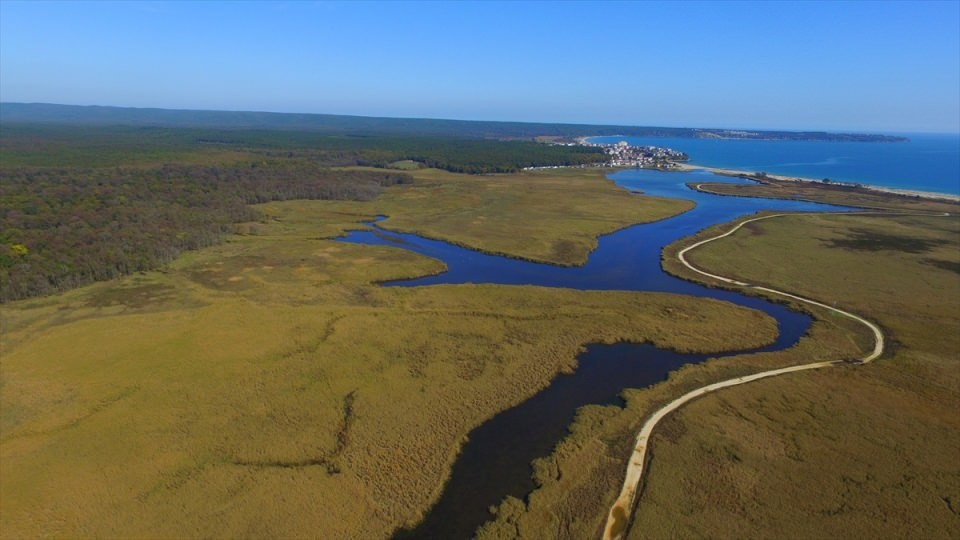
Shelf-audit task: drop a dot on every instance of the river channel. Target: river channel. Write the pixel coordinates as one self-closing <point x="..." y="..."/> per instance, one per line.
<point x="495" y="462"/>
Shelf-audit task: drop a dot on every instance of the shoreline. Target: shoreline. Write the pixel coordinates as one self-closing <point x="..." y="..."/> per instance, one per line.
<point x="687" y="167"/>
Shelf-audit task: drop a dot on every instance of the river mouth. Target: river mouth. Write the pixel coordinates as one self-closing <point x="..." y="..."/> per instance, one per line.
<point x="496" y="460"/>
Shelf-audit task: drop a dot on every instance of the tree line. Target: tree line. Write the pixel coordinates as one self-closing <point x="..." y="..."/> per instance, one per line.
<point x="406" y="127"/>
<point x="85" y="203"/>
<point x="63" y="228"/>
<point x="106" y="146"/>
<point x="461" y="155"/>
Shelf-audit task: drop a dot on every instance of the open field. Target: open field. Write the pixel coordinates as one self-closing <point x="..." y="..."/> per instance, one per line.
<point x="865" y="451"/>
<point x="264" y="387"/>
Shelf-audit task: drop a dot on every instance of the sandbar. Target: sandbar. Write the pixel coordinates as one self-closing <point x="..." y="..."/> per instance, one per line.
<point x="880" y="189"/>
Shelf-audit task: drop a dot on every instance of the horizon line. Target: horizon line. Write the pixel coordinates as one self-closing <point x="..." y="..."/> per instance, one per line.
<point x="851" y="131"/>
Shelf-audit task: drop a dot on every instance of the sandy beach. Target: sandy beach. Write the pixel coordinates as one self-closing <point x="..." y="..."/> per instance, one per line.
<point x="907" y="192"/>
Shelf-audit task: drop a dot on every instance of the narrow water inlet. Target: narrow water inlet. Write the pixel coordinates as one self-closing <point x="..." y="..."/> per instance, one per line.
<point x="496" y="460"/>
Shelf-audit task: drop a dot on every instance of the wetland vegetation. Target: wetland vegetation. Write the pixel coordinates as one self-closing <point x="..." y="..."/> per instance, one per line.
<point x="823" y="453"/>
<point x="265" y="386"/>
<point x="877" y="445"/>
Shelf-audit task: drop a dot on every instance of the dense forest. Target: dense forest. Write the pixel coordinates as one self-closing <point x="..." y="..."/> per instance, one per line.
<point x="85" y="203"/>
<point x="62" y="228"/>
<point x="39" y="145"/>
<point x="352" y="125"/>
<point x="471" y="156"/>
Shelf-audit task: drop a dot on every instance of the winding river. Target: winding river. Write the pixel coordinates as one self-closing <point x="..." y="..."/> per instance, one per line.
<point x="495" y="462"/>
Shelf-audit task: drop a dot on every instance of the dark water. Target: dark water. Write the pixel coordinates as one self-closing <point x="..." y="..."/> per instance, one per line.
<point x="495" y="462"/>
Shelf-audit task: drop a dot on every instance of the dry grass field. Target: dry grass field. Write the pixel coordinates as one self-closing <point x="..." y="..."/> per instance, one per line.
<point x="856" y="451"/>
<point x="265" y="387"/>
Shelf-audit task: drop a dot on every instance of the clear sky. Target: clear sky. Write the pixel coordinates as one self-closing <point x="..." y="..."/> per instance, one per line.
<point x="877" y="66"/>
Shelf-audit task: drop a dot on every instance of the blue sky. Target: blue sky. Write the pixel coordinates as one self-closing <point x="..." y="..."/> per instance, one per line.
<point x="877" y="66"/>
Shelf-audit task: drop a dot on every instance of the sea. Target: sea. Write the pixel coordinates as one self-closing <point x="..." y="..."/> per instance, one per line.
<point x="926" y="162"/>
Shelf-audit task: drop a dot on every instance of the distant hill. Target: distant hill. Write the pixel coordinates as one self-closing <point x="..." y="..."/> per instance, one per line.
<point x="364" y="125"/>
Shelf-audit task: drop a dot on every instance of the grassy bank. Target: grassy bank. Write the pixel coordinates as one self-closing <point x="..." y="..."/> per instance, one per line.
<point x="871" y="450"/>
<point x="866" y="451"/>
<point x="264" y="387"/>
<point x="553" y="217"/>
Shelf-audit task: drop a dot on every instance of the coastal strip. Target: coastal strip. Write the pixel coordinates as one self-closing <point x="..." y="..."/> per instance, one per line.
<point x="751" y="175"/>
<point x="623" y="155"/>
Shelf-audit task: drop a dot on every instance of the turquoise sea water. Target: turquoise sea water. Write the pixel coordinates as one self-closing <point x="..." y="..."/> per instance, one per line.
<point x="926" y="162"/>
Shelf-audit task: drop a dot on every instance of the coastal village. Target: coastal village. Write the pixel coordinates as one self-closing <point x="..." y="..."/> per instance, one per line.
<point x="622" y="154"/>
